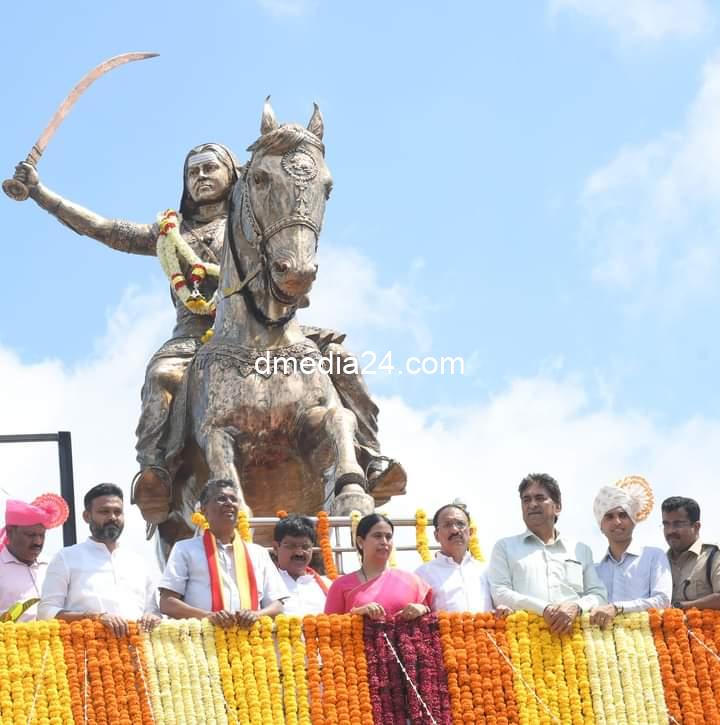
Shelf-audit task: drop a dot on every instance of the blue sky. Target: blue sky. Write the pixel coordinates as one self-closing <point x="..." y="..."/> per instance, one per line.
<point x="532" y="186"/>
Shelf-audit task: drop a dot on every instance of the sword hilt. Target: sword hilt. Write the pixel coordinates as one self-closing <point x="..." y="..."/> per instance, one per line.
<point x="15" y="188"/>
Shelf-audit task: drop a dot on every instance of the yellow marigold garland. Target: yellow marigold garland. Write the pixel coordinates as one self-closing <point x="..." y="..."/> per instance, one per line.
<point x="34" y="686"/>
<point x="421" y="540"/>
<point x="474" y="544"/>
<point x="284" y="646"/>
<point x="300" y="673"/>
<point x="243" y="525"/>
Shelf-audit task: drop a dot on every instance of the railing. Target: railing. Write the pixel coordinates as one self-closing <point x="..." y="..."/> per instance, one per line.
<point x="338" y="524"/>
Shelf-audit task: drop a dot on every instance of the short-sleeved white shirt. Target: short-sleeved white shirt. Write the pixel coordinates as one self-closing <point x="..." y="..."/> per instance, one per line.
<point x="187" y="574"/>
<point x="306" y="595"/>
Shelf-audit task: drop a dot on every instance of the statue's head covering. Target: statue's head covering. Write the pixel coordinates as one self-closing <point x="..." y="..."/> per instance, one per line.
<point x="50" y="510"/>
<point x="226" y="157"/>
<point x="632" y="494"/>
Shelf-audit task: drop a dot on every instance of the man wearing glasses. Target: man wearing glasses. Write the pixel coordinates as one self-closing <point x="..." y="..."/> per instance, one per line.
<point x="541" y="570"/>
<point x="458" y="581"/>
<point x="293" y="542"/>
<point x="695" y="566"/>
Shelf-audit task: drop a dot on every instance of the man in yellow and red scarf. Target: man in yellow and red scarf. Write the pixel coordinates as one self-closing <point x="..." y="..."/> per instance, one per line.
<point x="218" y="575"/>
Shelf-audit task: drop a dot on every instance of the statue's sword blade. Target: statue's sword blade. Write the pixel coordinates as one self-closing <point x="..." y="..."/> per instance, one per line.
<point x="15" y="188"/>
<point x="72" y="97"/>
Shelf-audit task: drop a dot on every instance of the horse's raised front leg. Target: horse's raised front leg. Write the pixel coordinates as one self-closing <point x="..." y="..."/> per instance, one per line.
<point x="219" y="451"/>
<point x="348" y="491"/>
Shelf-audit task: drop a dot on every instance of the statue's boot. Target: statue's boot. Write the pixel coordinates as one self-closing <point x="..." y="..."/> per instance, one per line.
<point x="386" y="478"/>
<point x="352" y="497"/>
<point x="152" y="492"/>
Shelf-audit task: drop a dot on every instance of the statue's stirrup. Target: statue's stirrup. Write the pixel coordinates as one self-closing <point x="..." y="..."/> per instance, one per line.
<point x="373" y="467"/>
<point x="164" y="474"/>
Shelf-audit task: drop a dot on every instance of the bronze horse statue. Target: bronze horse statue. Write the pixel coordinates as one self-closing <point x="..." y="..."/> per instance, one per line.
<point x="257" y="405"/>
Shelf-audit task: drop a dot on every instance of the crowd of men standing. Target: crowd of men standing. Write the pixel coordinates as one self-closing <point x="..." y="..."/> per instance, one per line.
<point x="232" y="582"/>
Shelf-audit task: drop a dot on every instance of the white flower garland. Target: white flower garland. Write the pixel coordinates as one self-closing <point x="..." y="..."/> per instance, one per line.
<point x="170" y="248"/>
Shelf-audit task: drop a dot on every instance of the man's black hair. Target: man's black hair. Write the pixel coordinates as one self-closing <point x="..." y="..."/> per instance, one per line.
<point x="294" y="525"/>
<point x="102" y="489"/>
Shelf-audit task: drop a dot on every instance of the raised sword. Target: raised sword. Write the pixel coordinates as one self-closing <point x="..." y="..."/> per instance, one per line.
<point x="15" y="188"/>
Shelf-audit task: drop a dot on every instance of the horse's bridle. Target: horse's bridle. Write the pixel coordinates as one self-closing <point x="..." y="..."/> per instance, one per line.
<point x="262" y="236"/>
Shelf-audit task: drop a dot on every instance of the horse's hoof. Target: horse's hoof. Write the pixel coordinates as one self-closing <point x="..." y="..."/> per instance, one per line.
<point x="354" y="499"/>
<point x="387" y="482"/>
<point x="150" y="490"/>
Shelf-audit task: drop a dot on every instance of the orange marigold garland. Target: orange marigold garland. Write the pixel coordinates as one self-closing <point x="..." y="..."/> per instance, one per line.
<point x="310" y="629"/>
<point x="688" y="692"/>
<point x="700" y="657"/>
<point x="357" y="624"/>
<point x="323" y="533"/>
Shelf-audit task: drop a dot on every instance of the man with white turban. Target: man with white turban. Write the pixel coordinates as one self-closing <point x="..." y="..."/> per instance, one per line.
<point x="636" y="577"/>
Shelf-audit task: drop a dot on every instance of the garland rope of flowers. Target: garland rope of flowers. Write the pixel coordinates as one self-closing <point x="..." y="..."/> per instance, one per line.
<point x="450" y="669"/>
<point x="408" y="679"/>
<point x="171" y="248"/>
<point x="474" y="544"/>
<point x="519" y="674"/>
<point x="421" y="539"/>
<point x="323" y="533"/>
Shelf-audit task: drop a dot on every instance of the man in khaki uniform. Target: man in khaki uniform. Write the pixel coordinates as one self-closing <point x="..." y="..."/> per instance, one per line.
<point x="695" y="566"/>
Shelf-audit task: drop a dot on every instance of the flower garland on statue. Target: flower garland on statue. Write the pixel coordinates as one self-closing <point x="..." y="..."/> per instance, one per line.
<point x="171" y="248"/>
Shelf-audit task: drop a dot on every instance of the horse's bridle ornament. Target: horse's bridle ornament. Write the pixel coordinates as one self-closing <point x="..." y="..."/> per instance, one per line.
<point x="302" y="168"/>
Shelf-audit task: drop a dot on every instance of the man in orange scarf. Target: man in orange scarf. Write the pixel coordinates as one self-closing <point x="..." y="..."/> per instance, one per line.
<point x="218" y="575"/>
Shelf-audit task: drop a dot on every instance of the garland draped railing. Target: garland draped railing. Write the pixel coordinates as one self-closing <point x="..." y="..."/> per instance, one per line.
<point x="648" y="668"/>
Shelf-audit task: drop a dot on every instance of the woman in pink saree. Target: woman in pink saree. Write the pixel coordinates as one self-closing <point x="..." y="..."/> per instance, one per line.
<point x="376" y="590"/>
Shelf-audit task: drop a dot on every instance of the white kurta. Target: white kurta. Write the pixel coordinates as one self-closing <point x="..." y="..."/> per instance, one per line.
<point x="462" y="587"/>
<point x="88" y="577"/>
<point x="306" y="595"/>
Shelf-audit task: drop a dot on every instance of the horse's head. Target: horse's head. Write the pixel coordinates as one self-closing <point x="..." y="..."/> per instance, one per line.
<point x="278" y="208"/>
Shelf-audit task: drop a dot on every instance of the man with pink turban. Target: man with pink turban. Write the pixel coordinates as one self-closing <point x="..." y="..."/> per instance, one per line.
<point x="636" y="577"/>
<point x="21" y="542"/>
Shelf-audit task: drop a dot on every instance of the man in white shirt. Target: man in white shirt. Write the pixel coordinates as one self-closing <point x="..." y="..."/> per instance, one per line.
<point x="540" y="570"/>
<point x="459" y="582"/>
<point x="293" y="542"/>
<point x="218" y="575"/>
<point x="98" y="578"/>
<point x="636" y="577"/>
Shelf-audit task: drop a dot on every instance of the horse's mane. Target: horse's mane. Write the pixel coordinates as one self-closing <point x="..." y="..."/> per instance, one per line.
<point x="284" y="139"/>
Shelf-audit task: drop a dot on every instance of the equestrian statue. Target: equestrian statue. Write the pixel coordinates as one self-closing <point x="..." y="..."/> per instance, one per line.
<point x="241" y="390"/>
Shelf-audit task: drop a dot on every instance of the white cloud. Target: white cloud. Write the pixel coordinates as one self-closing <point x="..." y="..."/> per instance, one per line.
<point x="642" y="20"/>
<point x="348" y="296"/>
<point x="652" y="214"/>
<point x="479" y="452"/>
<point x="288" y="8"/>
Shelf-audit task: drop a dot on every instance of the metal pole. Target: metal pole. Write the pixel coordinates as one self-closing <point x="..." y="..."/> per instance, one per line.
<point x="67" y="485"/>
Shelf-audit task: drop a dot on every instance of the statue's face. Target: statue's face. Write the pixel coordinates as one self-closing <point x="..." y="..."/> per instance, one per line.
<point x="207" y="180"/>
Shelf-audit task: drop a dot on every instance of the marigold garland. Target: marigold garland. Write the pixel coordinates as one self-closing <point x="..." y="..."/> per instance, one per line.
<point x="171" y="248"/>
<point x="421" y="540"/>
<point x="646" y="669"/>
<point x="474" y="544"/>
<point x="323" y="534"/>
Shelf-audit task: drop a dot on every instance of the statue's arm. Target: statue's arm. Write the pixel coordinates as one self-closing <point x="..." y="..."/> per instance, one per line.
<point x="116" y="233"/>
